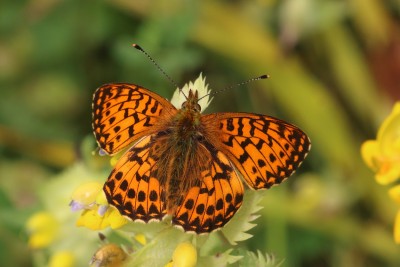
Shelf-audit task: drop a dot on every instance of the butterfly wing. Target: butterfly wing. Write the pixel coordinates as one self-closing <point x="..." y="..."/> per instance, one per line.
<point x="210" y="205"/>
<point x="132" y="186"/>
<point x="264" y="149"/>
<point x="122" y="113"/>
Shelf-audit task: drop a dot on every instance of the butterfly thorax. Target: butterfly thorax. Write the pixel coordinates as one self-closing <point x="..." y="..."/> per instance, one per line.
<point x="186" y="122"/>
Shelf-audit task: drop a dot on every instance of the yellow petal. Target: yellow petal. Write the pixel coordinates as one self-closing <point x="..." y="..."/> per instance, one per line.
<point x="101" y="199"/>
<point x="394" y="193"/>
<point x="62" y="259"/>
<point x="38" y="241"/>
<point x="389" y="133"/>
<point x="141" y="239"/>
<point x="113" y="161"/>
<point x="185" y="255"/>
<point x="395" y="112"/>
<point x="369" y="152"/>
<point x="386" y="169"/>
<point x="87" y="192"/>
<point x="388" y="172"/>
<point x="383" y="155"/>
<point x="396" y="230"/>
<point x="92" y="220"/>
<point x="115" y="219"/>
<point x="42" y="228"/>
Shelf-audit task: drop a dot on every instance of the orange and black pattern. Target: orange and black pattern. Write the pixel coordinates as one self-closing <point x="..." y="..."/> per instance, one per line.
<point x="210" y="205"/>
<point x="186" y="164"/>
<point x="264" y="149"/>
<point x="123" y="113"/>
<point x="132" y="187"/>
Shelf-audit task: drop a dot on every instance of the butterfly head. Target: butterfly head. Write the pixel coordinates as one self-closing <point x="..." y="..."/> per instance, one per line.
<point x="192" y="102"/>
<point x="188" y="118"/>
<point x="200" y="87"/>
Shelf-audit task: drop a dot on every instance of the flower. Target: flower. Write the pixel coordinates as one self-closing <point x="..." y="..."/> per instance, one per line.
<point x="141" y="239"/>
<point x="397" y="228"/>
<point x="394" y="193"/>
<point x="84" y="197"/>
<point x="96" y="213"/>
<point x="93" y="220"/>
<point x="42" y="228"/>
<point x="62" y="259"/>
<point x="383" y="154"/>
<point x="185" y="255"/>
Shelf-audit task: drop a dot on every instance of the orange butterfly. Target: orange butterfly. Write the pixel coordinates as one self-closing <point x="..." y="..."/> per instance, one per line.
<point x="187" y="164"/>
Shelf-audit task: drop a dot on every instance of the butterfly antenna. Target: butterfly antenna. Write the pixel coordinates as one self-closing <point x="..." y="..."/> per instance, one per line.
<point x="155" y="64"/>
<point x="262" y="77"/>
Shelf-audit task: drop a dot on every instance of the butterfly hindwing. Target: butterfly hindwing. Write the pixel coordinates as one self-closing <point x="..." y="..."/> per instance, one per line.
<point x="211" y="205"/>
<point x="122" y="113"/>
<point x="264" y="149"/>
<point x="132" y="187"/>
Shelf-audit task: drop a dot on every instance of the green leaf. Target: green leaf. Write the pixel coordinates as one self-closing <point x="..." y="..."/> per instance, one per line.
<point x="258" y="259"/>
<point x="158" y="252"/>
<point x="221" y="259"/>
<point x="235" y="230"/>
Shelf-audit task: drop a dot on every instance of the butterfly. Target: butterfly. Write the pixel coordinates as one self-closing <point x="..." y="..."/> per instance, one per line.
<point x="186" y="164"/>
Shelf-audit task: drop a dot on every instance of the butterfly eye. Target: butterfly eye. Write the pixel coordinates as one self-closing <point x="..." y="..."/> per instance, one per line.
<point x="184" y="104"/>
<point x="198" y="107"/>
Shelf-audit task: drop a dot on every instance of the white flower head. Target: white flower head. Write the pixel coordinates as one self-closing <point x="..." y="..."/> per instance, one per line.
<point x="200" y="86"/>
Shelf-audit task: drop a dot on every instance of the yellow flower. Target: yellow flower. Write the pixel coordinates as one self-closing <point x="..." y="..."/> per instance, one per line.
<point x="394" y="193"/>
<point x="96" y="213"/>
<point x="397" y="228"/>
<point x="185" y="255"/>
<point x="84" y="197"/>
<point x="114" y="160"/>
<point x="101" y="199"/>
<point x="383" y="154"/>
<point x="62" y="259"/>
<point x="42" y="228"/>
<point x="93" y="220"/>
<point x="141" y="239"/>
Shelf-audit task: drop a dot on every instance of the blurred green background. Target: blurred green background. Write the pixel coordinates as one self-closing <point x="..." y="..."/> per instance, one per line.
<point x="335" y="72"/>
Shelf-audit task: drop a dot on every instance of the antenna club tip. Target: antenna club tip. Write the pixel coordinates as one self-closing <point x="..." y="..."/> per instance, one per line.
<point x="265" y="76"/>
<point x="137" y="47"/>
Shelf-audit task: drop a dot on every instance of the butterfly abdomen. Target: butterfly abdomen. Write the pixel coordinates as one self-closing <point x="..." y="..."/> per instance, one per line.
<point x="182" y="155"/>
<point x="182" y="171"/>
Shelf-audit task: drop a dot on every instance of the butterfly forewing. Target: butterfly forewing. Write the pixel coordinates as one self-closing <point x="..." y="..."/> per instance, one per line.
<point x="122" y="113"/>
<point x="264" y="149"/>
